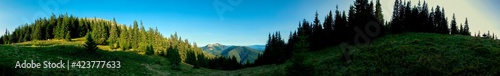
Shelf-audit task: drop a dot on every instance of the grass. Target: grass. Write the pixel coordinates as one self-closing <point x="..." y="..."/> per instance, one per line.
<point x="413" y="54"/>
<point x="132" y="63"/>
<point x="408" y="54"/>
<point x="401" y="54"/>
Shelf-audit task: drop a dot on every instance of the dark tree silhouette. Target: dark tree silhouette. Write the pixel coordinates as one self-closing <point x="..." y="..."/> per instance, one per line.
<point x="466" y="28"/>
<point x="173" y="57"/>
<point x="340" y="28"/>
<point x="317" y="33"/>
<point x="378" y="12"/>
<point x="454" y="29"/>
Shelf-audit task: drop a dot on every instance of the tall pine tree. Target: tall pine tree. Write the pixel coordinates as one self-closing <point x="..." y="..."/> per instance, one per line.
<point x="378" y="12"/>
<point x="113" y="35"/>
<point x="466" y="28"/>
<point x="454" y="29"/>
<point x="90" y="44"/>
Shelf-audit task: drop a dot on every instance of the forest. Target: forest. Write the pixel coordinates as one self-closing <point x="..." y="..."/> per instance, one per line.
<point x="119" y="37"/>
<point x="363" y="17"/>
<point x="362" y="23"/>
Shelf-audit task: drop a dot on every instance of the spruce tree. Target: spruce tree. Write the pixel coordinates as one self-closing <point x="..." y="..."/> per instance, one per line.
<point x="298" y="67"/>
<point x="150" y="50"/>
<point x="328" y="29"/>
<point x="113" y="35"/>
<point x="134" y="35"/>
<point x="174" y="57"/>
<point x="340" y="28"/>
<point x="124" y="42"/>
<point x="396" y="18"/>
<point x="461" y="30"/>
<point x="466" y="28"/>
<point x="202" y="61"/>
<point x="6" y="37"/>
<point x="454" y="29"/>
<point x="67" y="36"/>
<point x="143" y="42"/>
<point x="317" y="33"/>
<point x="37" y="32"/>
<point x="191" y="59"/>
<point x="90" y="45"/>
<point x="378" y="12"/>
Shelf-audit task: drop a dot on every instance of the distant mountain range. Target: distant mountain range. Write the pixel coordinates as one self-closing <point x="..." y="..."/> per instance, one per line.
<point x="242" y="53"/>
<point x="258" y="47"/>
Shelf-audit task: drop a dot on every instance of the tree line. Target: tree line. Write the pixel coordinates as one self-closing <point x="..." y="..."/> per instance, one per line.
<point x="104" y="32"/>
<point x="363" y="22"/>
<point x="407" y="18"/>
<point x="217" y="62"/>
<point x="63" y="26"/>
<point x="133" y="38"/>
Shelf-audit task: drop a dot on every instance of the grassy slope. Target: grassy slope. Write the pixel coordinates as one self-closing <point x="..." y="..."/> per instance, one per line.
<point x="413" y="53"/>
<point x="407" y="54"/>
<point x="54" y="50"/>
<point x="410" y="53"/>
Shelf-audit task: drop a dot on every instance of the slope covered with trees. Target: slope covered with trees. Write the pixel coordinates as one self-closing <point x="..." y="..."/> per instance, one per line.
<point x="406" y="53"/>
<point x="360" y="26"/>
<point x="104" y="32"/>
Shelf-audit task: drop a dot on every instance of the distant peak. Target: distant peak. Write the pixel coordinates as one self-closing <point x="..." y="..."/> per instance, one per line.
<point x="216" y="44"/>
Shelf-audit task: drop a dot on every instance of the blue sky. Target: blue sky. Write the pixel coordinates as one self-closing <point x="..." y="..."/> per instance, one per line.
<point x="248" y="23"/>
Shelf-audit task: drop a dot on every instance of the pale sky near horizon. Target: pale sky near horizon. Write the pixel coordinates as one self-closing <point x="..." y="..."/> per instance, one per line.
<point x="248" y="23"/>
<point x="480" y="13"/>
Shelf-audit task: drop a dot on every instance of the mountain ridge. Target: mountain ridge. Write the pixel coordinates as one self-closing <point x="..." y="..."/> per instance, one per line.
<point x="242" y="53"/>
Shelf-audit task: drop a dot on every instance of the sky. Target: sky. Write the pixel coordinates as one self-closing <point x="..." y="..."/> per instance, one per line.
<point x="230" y="22"/>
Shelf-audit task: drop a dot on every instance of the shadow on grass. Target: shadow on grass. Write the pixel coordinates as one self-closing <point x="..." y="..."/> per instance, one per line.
<point x="10" y="54"/>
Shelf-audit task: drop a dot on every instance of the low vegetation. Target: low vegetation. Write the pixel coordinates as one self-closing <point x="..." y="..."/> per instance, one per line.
<point x="132" y="62"/>
<point x="410" y="54"/>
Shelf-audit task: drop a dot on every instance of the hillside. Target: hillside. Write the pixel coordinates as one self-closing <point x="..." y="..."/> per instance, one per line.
<point x="412" y="54"/>
<point x="242" y="53"/>
<point x="407" y="54"/>
<point x="258" y="47"/>
<point x="214" y="49"/>
<point x="402" y="54"/>
<point x="132" y="63"/>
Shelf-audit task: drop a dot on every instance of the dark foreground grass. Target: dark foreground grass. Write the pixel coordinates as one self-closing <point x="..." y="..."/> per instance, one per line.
<point x="413" y="54"/>
<point x="130" y="62"/>
<point x="402" y="54"/>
